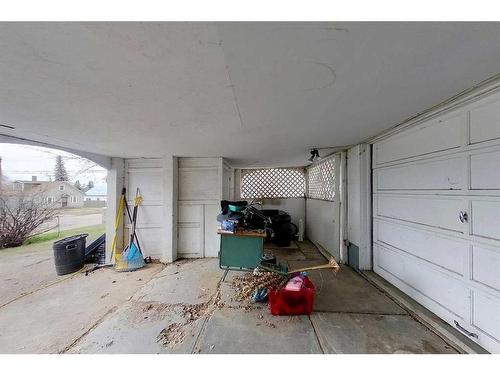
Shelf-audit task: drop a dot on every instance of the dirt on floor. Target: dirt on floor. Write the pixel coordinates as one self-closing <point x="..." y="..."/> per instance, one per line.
<point x="187" y="307"/>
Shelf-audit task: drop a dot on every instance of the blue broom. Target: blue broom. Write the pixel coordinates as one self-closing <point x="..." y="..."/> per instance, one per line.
<point x="131" y="257"/>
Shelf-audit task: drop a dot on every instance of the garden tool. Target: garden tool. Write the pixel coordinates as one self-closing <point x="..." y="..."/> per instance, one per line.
<point x="131" y="258"/>
<point x="331" y="264"/>
<point x="117" y="223"/>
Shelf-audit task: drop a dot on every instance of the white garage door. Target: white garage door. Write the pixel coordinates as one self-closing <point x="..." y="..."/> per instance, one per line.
<point x="436" y="216"/>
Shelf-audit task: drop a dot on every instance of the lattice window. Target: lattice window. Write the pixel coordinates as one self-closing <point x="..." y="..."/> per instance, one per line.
<point x="321" y="180"/>
<point x="272" y="183"/>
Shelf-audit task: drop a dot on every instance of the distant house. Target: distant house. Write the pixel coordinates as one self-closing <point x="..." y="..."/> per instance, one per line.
<point x="59" y="193"/>
<point x="96" y="197"/>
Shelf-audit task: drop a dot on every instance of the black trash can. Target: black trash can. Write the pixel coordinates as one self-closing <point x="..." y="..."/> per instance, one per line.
<point x="69" y="254"/>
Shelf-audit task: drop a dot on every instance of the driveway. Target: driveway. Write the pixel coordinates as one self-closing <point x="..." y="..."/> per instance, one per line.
<point x="73" y="218"/>
<point x="186" y="307"/>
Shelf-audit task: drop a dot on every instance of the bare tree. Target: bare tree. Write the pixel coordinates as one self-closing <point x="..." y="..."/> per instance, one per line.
<point x="22" y="216"/>
<point x="78" y="185"/>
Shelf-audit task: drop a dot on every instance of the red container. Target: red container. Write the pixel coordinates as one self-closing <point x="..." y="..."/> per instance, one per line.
<point x="288" y="302"/>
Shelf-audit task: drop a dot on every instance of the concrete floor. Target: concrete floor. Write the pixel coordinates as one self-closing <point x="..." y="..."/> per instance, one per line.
<point x="185" y="307"/>
<point x="29" y="268"/>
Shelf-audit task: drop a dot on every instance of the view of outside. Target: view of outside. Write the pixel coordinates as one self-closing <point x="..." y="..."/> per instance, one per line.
<point x="68" y="191"/>
<point x="45" y="195"/>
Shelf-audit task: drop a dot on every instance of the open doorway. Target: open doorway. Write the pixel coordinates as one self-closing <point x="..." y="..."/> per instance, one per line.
<point x="44" y="191"/>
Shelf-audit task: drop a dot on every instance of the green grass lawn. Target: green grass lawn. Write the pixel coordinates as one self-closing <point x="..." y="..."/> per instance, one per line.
<point x="44" y="241"/>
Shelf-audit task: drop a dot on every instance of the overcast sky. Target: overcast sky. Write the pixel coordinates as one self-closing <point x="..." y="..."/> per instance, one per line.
<point x="20" y="162"/>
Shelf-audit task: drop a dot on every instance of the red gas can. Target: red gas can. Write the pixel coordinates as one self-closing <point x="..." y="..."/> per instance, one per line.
<point x="288" y="302"/>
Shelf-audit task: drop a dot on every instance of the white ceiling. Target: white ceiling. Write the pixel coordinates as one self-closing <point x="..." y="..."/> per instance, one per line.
<point x="257" y="93"/>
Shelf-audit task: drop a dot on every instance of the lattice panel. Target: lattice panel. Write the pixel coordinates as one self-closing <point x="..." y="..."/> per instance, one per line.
<point x="272" y="183"/>
<point x="321" y="180"/>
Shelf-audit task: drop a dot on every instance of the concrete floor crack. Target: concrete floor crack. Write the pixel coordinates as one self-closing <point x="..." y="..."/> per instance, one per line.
<point x="316" y="334"/>
<point x="99" y="321"/>
<point x="215" y="299"/>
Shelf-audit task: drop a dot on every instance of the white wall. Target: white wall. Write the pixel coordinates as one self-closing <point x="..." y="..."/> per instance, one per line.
<point x="202" y="182"/>
<point x="114" y="179"/>
<point x="157" y="179"/>
<point x="181" y="201"/>
<point x="148" y="176"/>
<point x="323" y="218"/>
<point x="296" y="207"/>
<point x="227" y="181"/>
<point x="322" y="225"/>
<point x="359" y="202"/>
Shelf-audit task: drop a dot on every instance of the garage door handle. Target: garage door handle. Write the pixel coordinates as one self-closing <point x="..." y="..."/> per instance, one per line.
<point x="464" y="331"/>
<point x="463" y="216"/>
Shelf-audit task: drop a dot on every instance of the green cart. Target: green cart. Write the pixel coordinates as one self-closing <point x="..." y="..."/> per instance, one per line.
<point x="241" y="251"/>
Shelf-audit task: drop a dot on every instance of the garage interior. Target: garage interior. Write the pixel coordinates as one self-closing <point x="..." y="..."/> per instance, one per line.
<point x="405" y="193"/>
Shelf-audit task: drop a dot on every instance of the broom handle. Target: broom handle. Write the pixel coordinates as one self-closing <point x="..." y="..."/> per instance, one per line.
<point x="329" y="265"/>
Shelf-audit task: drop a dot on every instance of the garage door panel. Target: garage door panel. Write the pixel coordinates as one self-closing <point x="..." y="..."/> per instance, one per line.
<point x="438" y="212"/>
<point x="486" y="314"/>
<point x="431" y="175"/>
<point x="451" y="293"/>
<point x="486" y="266"/>
<point x="423" y="177"/>
<point x="486" y="219"/>
<point x="485" y="121"/>
<point x="485" y="171"/>
<point x="390" y="261"/>
<point x="441" y="251"/>
<point x="435" y="135"/>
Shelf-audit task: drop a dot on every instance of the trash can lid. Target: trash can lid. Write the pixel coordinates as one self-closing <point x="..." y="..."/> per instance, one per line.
<point x="76" y="237"/>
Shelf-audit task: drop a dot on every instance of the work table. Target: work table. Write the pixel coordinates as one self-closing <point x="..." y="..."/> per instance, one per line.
<point x="244" y="233"/>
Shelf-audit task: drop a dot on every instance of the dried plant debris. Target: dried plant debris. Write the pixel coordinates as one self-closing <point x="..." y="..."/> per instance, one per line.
<point x="151" y="311"/>
<point x="195" y="312"/>
<point x="174" y="334"/>
<point x="171" y="336"/>
<point x="270" y="325"/>
<point x="246" y="285"/>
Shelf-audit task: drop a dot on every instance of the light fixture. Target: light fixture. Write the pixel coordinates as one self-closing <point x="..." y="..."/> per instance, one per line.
<point x="314" y="155"/>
